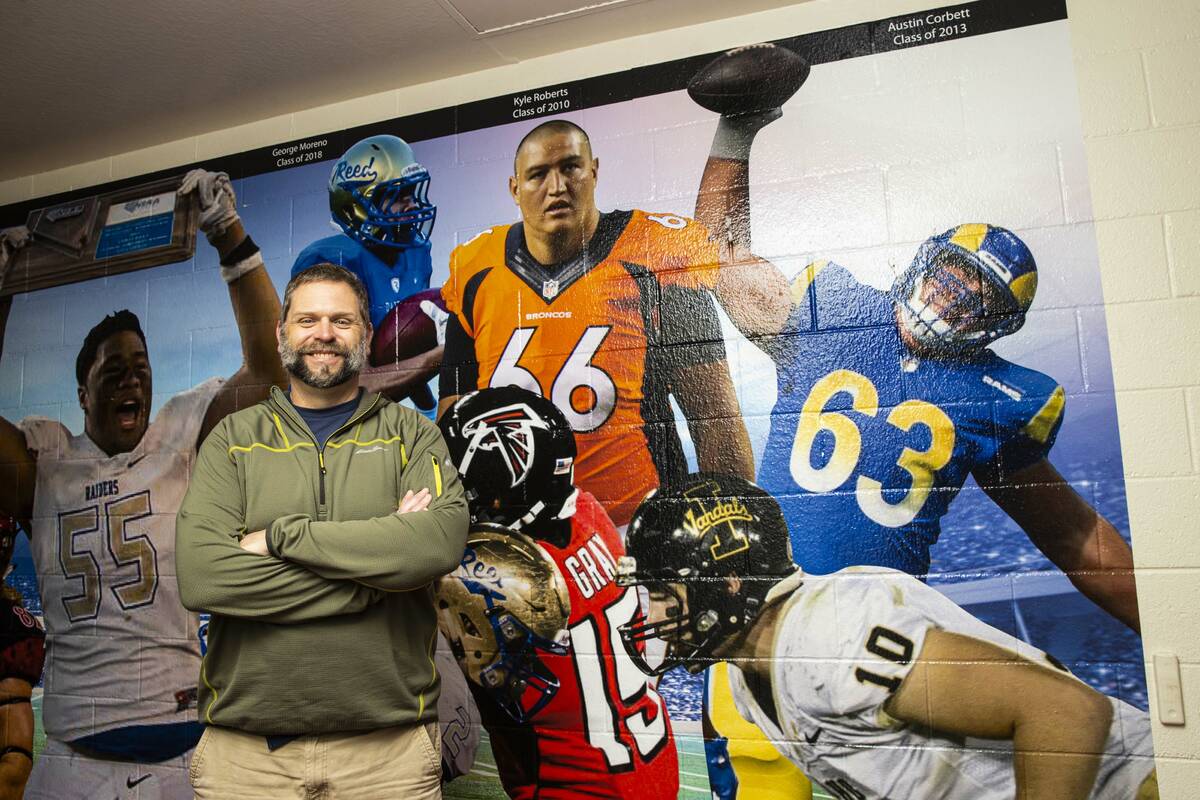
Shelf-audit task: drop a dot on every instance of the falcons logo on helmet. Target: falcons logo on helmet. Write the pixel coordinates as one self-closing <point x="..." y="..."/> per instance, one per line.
<point x="509" y="432"/>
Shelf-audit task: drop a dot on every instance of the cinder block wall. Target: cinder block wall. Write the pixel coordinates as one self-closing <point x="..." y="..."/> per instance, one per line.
<point x="1138" y="72"/>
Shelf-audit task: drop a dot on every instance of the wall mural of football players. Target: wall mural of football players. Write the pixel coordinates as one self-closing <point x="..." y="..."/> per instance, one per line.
<point x="379" y="197"/>
<point x="569" y="716"/>
<point x="900" y="422"/>
<point x="873" y="683"/>
<point x="123" y="654"/>
<point x="888" y="401"/>
<point x="606" y="314"/>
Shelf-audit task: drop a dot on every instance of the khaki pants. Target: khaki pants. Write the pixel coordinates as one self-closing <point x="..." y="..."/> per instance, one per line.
<point x="403" y="762"/>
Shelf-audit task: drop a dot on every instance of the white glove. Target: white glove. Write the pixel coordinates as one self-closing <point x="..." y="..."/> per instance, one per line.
<point x="11" y="240"/>
<point x="218" y="204"/>
<point x="439" y="317"/>
<point x="735" y="134"/>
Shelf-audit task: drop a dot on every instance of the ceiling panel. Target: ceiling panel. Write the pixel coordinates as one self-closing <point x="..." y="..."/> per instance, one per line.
<point x="87" y="80"/>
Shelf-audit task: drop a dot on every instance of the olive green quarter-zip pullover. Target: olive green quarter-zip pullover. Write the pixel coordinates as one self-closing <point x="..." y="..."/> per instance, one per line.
<point x="335" y="629"/>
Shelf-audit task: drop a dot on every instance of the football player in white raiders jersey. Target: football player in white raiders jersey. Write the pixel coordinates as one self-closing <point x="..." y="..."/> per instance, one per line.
<point x="872" y="682"/>
<point x="123" y="655"/>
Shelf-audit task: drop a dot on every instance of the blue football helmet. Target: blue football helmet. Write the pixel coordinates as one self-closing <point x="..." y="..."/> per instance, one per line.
<point x="503" y="611"/>
<point x="966" y="288"/>
<point x="379" y="194"/>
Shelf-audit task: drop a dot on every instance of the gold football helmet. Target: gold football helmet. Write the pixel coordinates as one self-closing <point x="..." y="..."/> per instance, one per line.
<point x="503" y="609"/>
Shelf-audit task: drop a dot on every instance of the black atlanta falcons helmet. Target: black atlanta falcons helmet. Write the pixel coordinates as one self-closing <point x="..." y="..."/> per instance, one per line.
<point x="683" y="547"/>
<point x="515" y="454"/>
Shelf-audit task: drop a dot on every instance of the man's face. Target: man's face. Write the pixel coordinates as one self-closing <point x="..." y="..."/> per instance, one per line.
<point x="406" y="201"/>
<point x="666" y="603"/>
<point x="324" y="340"/>
<point x="555" y="184"/>
<point x="954" y="299"/>
<point x="116" y="395"/>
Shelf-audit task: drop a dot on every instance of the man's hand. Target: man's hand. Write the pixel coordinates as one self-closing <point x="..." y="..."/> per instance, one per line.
<point x="415" y="502"/>
<point x="218" y="204"/>
<point x="12" y="240"/>
<point x="735" y="135"/>
<point x="255" y="543"/>
<point x="407" y="378"/>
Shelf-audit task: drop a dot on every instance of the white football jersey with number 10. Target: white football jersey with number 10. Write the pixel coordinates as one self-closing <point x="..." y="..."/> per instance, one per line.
<point x="120" y="647"/>
<point x="843" y="644"/>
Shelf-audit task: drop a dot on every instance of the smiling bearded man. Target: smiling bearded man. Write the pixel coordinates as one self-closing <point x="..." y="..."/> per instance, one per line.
<point x="353" y="509"/>
<point x="325" y="374"/>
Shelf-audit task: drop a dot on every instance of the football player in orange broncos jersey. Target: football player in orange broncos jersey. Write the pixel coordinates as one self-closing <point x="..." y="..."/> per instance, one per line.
<point x="607" y="315"/>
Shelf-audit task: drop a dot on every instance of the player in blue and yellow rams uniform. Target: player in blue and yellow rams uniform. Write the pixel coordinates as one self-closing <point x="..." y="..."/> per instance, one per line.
<point x="869" y="437"/>
<point x="889" y="401"/>
<point x="379" y="197"/>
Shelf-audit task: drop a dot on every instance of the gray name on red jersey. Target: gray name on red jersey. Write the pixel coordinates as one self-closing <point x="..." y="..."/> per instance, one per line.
<point x="592" y="566"/>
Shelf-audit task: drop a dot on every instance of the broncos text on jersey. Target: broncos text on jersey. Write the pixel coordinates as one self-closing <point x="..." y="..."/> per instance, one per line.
<point x="869" y="445"/>
<point x="599" y="335"/>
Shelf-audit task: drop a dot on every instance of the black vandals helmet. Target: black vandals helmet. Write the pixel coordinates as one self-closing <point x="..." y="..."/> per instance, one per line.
<point x="515" y="454"/>
<point x="682" y="545"/>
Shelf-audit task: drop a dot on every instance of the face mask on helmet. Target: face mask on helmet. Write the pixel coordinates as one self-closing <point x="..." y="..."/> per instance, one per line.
<point x="515" y="454"/>
<point x="378" y="194"/>
<point x="667" y="635"/>
<point x="504" y="611"/>
<point x="965" y="289"/>
<point x="705" y="555"/>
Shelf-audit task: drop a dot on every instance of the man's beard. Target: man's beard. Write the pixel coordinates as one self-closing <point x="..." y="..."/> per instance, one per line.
<point x="353" y="360"/>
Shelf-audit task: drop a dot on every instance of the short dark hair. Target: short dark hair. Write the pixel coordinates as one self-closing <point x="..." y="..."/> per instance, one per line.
<point x="548" y="127"/>
<point x="123" y="320"/>
<point x="331" y="273"/>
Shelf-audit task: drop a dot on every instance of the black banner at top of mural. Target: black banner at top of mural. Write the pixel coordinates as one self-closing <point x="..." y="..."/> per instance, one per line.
<point x="919" y="28"/>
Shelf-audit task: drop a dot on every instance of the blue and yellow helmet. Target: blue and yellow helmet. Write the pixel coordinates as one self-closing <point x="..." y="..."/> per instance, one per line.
<point x="966" y="288"/>
<point x="379" y="194"/>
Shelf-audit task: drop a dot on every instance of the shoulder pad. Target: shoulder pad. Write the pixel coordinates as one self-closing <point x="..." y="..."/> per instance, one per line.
<point x="1046" y="418"/>
<point x="463" y="254"/>
<point x="44" y="436"/>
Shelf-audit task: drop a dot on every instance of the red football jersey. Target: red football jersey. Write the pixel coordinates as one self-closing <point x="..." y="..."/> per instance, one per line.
<point x="606" y="732"/>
